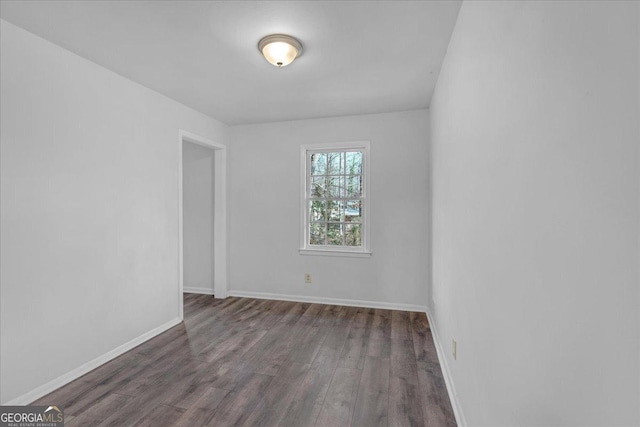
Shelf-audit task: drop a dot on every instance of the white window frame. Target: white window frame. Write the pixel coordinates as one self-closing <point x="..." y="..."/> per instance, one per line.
<point x="363" y="251"/>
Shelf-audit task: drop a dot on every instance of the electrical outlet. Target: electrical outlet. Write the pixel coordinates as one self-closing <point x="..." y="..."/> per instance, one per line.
<point x="454" y="348"/>
<point x="307" y="278"/>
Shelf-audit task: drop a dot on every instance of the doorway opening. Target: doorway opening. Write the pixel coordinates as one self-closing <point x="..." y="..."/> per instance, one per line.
<point x="202" y="217"/>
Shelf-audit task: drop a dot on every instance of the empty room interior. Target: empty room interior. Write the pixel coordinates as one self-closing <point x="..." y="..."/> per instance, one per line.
<point x="320" y="213"/>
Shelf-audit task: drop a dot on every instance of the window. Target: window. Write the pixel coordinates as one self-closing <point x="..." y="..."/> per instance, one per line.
<point x="335" y="209"/>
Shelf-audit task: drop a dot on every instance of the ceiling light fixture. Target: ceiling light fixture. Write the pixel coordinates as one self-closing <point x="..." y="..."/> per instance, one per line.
<point x="280" y="49"/>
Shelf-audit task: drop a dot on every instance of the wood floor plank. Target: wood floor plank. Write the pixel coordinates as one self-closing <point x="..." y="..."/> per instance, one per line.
<point x="244" y="361"/>
<point x="99" y="411"/>
<point x="424" y="347"/>
<point x="136" y="408"/>
<point x="278" y="396"/>
<point x="104" y="384"/>
<point x="233" y="378"/>
<point x="338" y="331"/>
<point x="309" y="342"/>
<point x="380" y="337"/>
<point x="329" y="315"/>
<point x="66" y="395"/>
<point x="400" y="325"/>
<point x="177" y="384"/>
<point x="171" y="365"/>
<point x="163" y="416"/>
<point x="273" y="315"/>
<point x="405" y="404"/>
<point x="197" y="302"/>
<point x="356" y="345"/>
<point x="246" y="317"/>
<point x="238" y="314"/>
<point x="203" y="409"/>
<point x="339" y="402"/>
<point x="381" y="327"/>
<point x="238" y="405"/>
<point x="234" y="346"/>
<point x="314" y="311"/>
<point x="310" y="395"/>
<point x="372" y="402"/>
<point x="436" y="406"/>
<point x="269" y="354"/>
<point x="295" y="313"/>
<point x="81" y="391"/>
<point x="189" y="385"/>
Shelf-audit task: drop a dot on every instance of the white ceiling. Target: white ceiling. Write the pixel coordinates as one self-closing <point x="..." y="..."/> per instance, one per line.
<point x="359" y="57"/>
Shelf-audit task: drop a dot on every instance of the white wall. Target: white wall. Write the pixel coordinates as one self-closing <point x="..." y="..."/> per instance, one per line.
<point x="265" y="210"/>
<point x="89" y="210"/>
<point x="535" y="212"/>
<point x="198" y="199"/>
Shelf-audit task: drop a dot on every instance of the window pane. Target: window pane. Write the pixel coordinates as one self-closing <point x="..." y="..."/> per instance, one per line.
<point x="353" y="211"/>
<point x="335" y="210"/>
<point x="352" y="235"/>
<point x="318" y="186"/>
<point x="334" y="234"/>
<point x="318" y="163"/>
<point x="318" y="210"/>
<point x="335" y="185"/>
<point x="354" y="163"/>
<point x="353" y="186"/>
<point x="335" y="163"/>
<point x="317" y="233"/>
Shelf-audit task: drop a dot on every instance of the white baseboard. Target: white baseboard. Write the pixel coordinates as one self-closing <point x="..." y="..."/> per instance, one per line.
<point x="62" y="380"/>
<point x="446" y="373"/>
<point x="195" y="290"/>
<point x="330" y="301"/>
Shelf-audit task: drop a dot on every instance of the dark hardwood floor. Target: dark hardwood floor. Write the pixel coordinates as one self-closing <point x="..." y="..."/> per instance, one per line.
<point x="242" y="361"/>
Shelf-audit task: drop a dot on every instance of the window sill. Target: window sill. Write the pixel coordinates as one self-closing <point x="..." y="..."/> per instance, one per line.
<point x="335" y="252"/>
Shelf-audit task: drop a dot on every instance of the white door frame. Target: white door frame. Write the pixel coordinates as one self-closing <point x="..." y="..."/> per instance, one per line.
<point x="219" y="215"/>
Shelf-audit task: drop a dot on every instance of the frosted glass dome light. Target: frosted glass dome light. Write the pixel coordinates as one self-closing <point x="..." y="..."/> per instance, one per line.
<point x="280" y="49"/>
